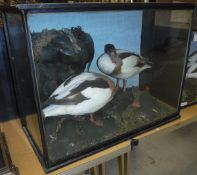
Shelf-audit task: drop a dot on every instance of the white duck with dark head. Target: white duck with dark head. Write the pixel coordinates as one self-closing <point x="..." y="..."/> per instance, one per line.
<point x="83" y="94"/>
<point x="121" y="64"/>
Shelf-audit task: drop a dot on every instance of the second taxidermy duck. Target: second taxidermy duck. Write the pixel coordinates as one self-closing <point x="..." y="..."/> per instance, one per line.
<point x="121" y="64"/>
<point x="83" y="94"/>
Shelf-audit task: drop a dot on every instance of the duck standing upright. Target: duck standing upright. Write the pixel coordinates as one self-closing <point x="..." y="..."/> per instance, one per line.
<point x="83" y="94"/>
<point x="121" y="64"/>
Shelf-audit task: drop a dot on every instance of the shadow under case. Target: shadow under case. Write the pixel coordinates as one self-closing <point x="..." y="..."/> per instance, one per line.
<point x="89" y="76"/>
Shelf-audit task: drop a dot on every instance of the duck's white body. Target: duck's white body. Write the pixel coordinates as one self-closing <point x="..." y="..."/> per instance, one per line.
<point x="192" y="66"/>
<point x="129" y="65"/>
<point x="83" y="94"/>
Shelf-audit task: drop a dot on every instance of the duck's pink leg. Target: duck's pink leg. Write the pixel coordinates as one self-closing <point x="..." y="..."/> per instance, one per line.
<point x="124" y="85"/>
<point x="117" y="83"/>
<point x="96" y="122"/>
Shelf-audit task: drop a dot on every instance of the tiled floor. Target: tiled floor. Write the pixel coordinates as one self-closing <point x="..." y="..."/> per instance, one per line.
<point x="171" y="153"/>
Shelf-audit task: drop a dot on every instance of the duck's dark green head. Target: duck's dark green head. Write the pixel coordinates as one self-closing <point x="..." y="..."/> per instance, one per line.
<point x="111" y="51"/>
<point x="109" y="48"/>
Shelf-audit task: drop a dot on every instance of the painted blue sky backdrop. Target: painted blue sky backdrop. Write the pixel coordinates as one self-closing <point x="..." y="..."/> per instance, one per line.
<point x="121" y="28"/>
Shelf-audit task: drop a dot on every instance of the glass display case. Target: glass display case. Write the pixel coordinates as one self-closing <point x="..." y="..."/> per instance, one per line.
<point x="89" y="76"/>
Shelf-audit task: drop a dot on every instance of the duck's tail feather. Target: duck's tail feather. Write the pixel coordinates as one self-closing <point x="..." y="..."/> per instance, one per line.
<point x="53" y="110"/>
<point x="144" y="60"/>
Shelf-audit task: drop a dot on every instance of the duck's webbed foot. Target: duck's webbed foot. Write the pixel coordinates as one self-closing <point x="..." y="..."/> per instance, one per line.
<point x="136" y="104"/>
<point x="98" y="123"/>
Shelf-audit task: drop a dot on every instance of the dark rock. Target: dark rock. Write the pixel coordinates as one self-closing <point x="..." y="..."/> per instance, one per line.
<point x="77" y="133"/>
<point x="59" y="54"/>
<point x="117" y="106"/>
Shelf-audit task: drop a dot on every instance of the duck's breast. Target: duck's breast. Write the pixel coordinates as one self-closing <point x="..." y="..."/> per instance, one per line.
<point x="105" y="64"/>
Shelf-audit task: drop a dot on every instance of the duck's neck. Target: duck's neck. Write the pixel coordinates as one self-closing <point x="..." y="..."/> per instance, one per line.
<point x="113" y="56"/>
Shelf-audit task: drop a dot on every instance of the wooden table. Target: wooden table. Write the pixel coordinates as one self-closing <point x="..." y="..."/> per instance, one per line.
<point x="25" y="159"/>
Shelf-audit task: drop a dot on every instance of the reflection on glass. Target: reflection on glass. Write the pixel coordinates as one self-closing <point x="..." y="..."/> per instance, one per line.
<point x="190" y="86"/>
<point x="22" y="76"/>
<point x="101" y="75"/>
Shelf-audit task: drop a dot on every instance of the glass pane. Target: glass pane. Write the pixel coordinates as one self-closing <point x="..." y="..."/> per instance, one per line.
<point x="103" y="74"/>
<point x="190" y="86"/>
<point x="22" y="75"/>
<point x="7" y="96"/>
<point x="171" y="45"/>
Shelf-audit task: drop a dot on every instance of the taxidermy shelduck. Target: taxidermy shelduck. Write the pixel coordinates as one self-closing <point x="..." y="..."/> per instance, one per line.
<point x="85" y="93"/>
<point x="121" y="64"/>
<point x="192" y="66"/>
